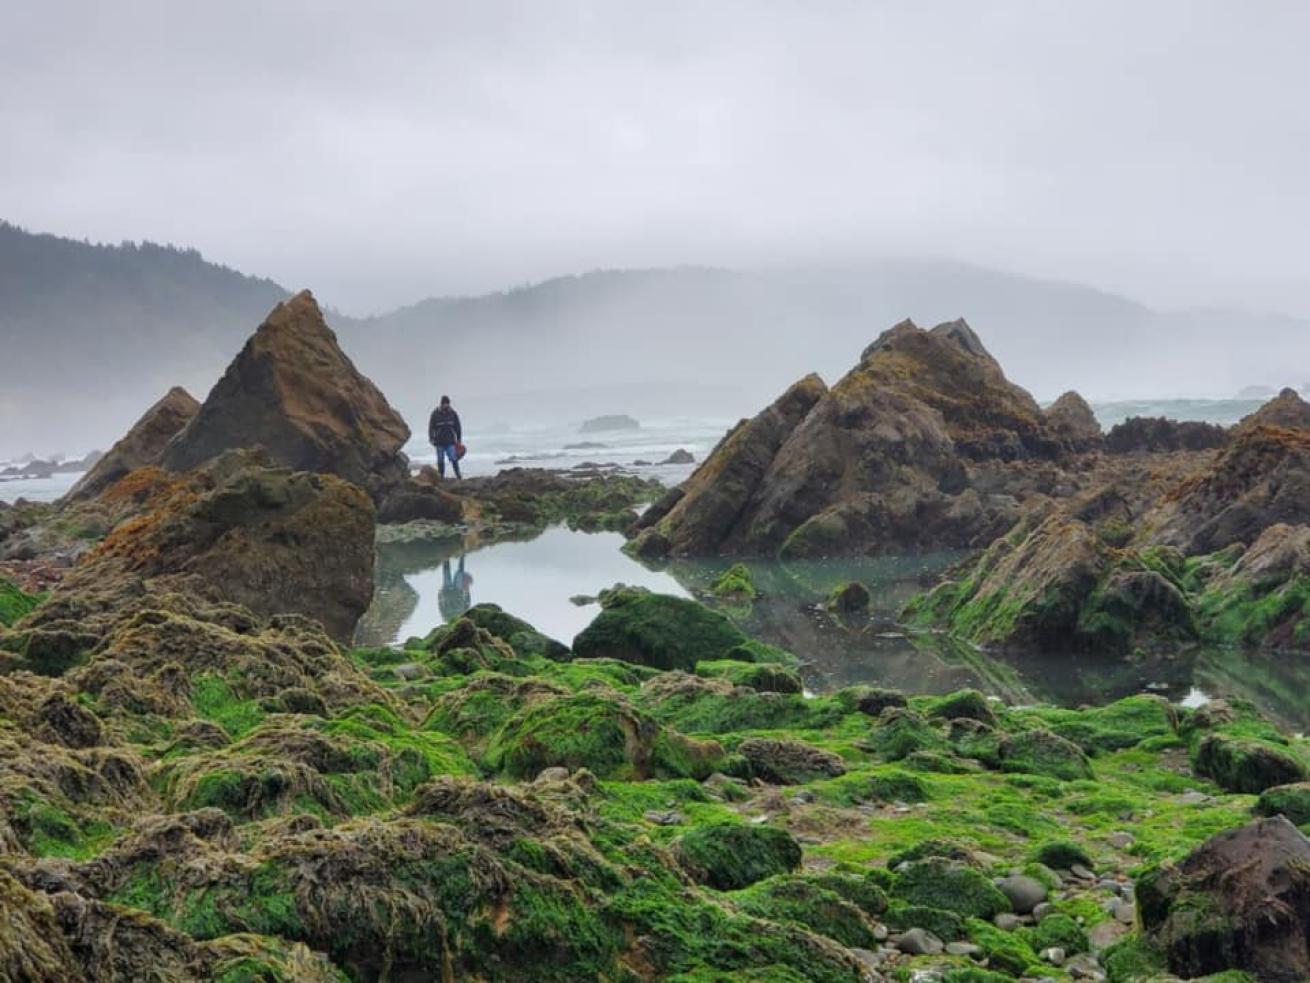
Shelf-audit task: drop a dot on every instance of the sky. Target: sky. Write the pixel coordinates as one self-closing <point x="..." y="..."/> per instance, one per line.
<point x="383" y="152"/>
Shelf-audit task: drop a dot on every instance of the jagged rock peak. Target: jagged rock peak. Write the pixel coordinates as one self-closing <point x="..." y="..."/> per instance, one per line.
<point x="959" y="332"/>
<point x="295" y="393"/>
<point x="1287" y="410"/>
<point x="141" y="446"/>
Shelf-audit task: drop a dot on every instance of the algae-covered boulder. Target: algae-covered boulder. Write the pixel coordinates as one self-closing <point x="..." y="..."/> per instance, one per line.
<point x="1241" y="901"/>
<point x="272" y="540"/>
<point x="937" y="882"/>
<point x="1292" y="801"/>
<point x="730" y="856"/>
<point x="1246" y="765"/>
<point x="142" y="446"/>
<point x="524" y="639"/>
<point x="293" y="392"/>
<point x="660" y="631"/>
<point x="600" y="732"/>
<point x="1027" y="590"/>
<point x="1039" y="752"/>
<point x="784" y="762"/>
<point x="819" y="905"/>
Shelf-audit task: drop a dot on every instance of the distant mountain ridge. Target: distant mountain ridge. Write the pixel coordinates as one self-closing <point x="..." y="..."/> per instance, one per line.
<point x="92" y="334"/>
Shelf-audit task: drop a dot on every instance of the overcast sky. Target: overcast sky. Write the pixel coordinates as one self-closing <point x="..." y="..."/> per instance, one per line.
<point x="382" y="152"/>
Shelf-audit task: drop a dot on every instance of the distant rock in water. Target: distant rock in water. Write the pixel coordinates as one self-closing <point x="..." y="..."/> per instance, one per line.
<point x="1152" y="435"/>
<point x="1073" y="421"/>
<point x="879" y="462"/>
<point x="605" y="424"/>
<point x="293" y="392"/>
<point x="680" y="456"/>
<point x="143" y="445"/>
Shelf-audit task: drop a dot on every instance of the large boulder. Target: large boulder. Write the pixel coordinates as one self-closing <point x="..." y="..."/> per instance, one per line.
<point x="142" y="446"/>
<point x="270" y="539"/>
<point x="1239" y="902"/>
<point x="879" y="462"/>
<point x="1073" y="422"/>
<point x="293" y="392"/>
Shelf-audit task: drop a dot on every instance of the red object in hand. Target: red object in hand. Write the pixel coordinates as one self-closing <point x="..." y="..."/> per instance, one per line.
<point x="460" y="451"/>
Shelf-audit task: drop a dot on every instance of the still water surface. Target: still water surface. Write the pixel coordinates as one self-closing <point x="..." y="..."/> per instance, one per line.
<point x="424" y="583"/>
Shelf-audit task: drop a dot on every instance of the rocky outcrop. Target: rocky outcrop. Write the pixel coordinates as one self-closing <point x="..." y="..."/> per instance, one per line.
<point x="142" y="446"/>
<point x="882" y="461"/>
<point x="1261" y="478"/>
<point x="1151" y="435"/>
<point x="293" y="392"/>
<point x="1286" y="411"/>
<point x="1072" y="421"/>
<point x="1239" y="902"/>
<point x="272" y="540"/>
<point x="710" y="507"/>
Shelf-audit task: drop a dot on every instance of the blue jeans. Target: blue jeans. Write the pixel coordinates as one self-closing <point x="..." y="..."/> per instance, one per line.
<point x="447" y="451"/>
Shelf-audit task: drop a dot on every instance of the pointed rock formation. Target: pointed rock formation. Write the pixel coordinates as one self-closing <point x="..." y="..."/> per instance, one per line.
<point x="143" y="445"/>
<point x="1073" y="422"/>
<point x="293" y="392"/>
<point x="1287" y="411"/>
<point x="879" y="462"/>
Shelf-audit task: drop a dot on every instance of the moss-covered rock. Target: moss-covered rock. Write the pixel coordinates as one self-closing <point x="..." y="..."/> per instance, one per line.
<point x="812" y="904"/>
<point x="1246" y="765"/>
<point x="734" y="584"/>
<point x="936" y="882"/>
<point x="1039" y="752"/>
<point x="783" y="762"/>
<point x="1292" y="801"/>
<point x="730" y="856"/>
<point x="658" y="630"/>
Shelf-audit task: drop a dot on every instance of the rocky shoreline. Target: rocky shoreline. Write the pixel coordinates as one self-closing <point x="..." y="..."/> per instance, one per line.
<point x="200" y="779"/>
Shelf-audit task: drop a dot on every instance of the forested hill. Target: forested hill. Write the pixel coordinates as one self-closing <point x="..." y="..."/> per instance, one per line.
<point x="91" y="335"/>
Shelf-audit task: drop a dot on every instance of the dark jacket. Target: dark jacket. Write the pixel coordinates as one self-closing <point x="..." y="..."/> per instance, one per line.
<point x="444" y="428"/>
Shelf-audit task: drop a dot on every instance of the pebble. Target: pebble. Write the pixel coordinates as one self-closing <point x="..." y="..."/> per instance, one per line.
<point x="880" y="933"/>
<point x="963" y="949"/>
<point x="1082" y="873"/>
<point x="1105" y="934"/>
<point x="1192" y="798"/>
<point x="409" y="671"/>
<point x="664" y="818"/>
<point x="1120" y="840"/>
<point x="803" y="796"/>
<point x="1084" y="967"/>
<point x="553" y="774"/>
<point x="870" y="960"/>
<point x="1054" y="955"/>
<point x="1007" y="922"/>
<point x="1042" y="910"/>
<point x="1123" y="911"/>
<point x="1025" y="893"/>
<point x="918" y="942"/>
<point x="1111" y="885"/>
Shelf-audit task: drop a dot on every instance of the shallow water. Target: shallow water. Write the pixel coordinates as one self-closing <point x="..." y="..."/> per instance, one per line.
<point x="422" y="584"/>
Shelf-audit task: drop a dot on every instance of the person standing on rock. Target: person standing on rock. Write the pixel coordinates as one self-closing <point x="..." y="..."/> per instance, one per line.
<point x="445" y="433"/>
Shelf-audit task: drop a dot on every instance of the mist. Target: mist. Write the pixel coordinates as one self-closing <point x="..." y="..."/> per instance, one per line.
<point x="1111" y="194"/>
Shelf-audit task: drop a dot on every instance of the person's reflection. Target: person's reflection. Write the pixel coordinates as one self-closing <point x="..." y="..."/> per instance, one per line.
<point x="455" y="597"/>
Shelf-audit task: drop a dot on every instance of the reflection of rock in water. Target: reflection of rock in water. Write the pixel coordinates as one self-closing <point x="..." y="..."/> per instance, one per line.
<point x="1275" y="683"/>
<point x="393" y="599"/>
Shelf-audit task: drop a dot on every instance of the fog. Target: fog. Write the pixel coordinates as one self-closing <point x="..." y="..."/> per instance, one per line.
<point x="1113" y="194"/>
<point x="386" y="152"/>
